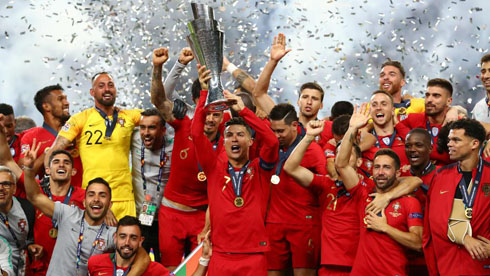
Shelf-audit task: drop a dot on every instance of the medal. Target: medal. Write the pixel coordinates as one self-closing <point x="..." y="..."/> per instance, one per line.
<point x="201" y="176"/>
<point x="468" y="213"/>
<point x="275" y="179"/>
<point x="469" y="199"/>
<point x="107" y="137"/>
<point x="238" y="201"/>
<point x="402" y="111"/>
<point x="53" y="233"/>
<point x="12" y="151"/>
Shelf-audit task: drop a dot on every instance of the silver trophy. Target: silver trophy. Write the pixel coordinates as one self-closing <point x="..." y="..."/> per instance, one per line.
<point x="206" y="42"/>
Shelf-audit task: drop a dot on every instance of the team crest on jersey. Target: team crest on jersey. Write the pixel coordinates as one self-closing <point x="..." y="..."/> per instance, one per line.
<point x="101" y="244"/>
<point x="386" y="140"/>
<point x="435" y="131"/>
<point x="402" y="117"/>
<point x="66" y="127"/>
<point x="396" y="209"/>
<point x="486" y="189"/>
<point x="121" y="121"/>
<point x="368" y="164"/>
<point x="22" y="225"/>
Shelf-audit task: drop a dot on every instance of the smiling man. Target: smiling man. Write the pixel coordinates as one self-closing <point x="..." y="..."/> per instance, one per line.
<point x="9" y="128"/>
<point x="481" y="110"/>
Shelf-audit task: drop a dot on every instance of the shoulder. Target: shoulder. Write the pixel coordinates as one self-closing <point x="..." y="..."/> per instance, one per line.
<point x="156" y="268"/>
<point x="97" y="262"/>
<point x="448" y="168"/>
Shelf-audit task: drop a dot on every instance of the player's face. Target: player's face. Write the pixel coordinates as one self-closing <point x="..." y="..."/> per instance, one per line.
<point x="310" y="102"/>
<point x="97" y="201"/>
<point x="60" y="169"/>
<point x="7" y="189"/>
<point x="151" y="131"/>
<point x="237" y="141"/>
<point x="213" y="120"/>
<point x="9" y="126"/>
<point x="382" y="109"/>
<point x="460" y="145"/>
<point x="104" y="90"/>
<point x="437" y="99"/>
<point x="417" y="149"/>
<point x="391" y="80"/>
<point x="284" y="133"/>
<point x="128" y="239"/>
<point x="60" y="107"/>
<point x="485" y="75"/>
<point x="384" y="172"/>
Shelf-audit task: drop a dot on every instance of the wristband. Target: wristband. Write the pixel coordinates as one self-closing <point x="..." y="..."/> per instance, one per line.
<point x="231" y="68"/>
<point x="203" y="261"/>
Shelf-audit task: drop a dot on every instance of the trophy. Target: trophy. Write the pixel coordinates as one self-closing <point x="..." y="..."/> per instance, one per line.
<point x="206" y="42"/>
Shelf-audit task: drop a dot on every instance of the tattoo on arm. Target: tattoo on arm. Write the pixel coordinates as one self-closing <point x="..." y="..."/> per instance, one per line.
<point x="241" y="77"/>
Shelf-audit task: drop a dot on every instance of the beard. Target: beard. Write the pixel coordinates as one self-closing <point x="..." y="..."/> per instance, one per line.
<point x="387" y="185"/>
<point x="126" y="256"/>
<point x="108" y="103"/>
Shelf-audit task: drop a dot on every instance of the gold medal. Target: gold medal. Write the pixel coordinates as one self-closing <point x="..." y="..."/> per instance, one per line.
<point x="201" y="176"/>
<point x="239" y="201"/>
<point x="275" y="179"/>
<point x="402" y="111"/>
<point x="107" y="137"/>
<point x="53" y="233"/>
<point x="468" y="212"/>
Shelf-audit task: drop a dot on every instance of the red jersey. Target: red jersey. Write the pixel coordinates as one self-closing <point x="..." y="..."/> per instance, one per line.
<point x="420" y="120"/>
<point x="183" y="185"/>
<point x="378" y="254"/>
<point x="454" y="259"/>
<point x="329" y="150"/>
<point x="103" y="265"/>
<point x="421" y="192"/>
<point x="291" y="203"/>
<point x="326" y="134"/>
<point x="340" y="222"/>
<point x="397" y="145"/>
<point x="15" y="146"/>
<point x="227" y="220"/>
<point x="46" y="138"/>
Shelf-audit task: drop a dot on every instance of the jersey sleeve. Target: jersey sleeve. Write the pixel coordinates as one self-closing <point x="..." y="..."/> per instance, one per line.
<point x="320" y="182"/>
<point x="73" y="127"/>
<point x="25" y="143"/>
<point x="135" y="115"/>
<point x="415" y="216"/>
<point x="315" y="160"/>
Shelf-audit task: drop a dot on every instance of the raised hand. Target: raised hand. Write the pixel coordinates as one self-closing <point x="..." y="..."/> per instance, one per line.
<point x="360" y="116"/>
<point x="314" y="128"/>
<point x="278" y="49"/>
<point x="204" y="76"/>
<point x="186" y="56"/>
<point x="31" y="154"/>
<point x="160" y="56"/>
<point x="236" y="101"/>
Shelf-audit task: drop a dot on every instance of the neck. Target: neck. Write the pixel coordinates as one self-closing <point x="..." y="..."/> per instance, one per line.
<point x="437" y="119"/>
<point x="469" y="163"/>
<point x="420" y="169"/>
<point x="121" y="262"/>
<point x="107" y="109"/>
<point x="397" y="97"/>
<point x="211" y="136"/>
<point x="6" y="208"/>
<point x="93" y="222"/>
<point x="53" y="122"/>
<point x="386" y="129"/>
<point x="59" y="188"/>
<point x="239" y="163"/>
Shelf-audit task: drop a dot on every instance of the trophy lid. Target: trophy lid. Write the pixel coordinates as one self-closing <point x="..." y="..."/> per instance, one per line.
<point x="202" y="11"/>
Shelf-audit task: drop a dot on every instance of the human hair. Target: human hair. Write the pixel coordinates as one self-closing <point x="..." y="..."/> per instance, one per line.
<point x="129" y="221"/>
<point x="385" y="93"/>
<point x="247" y="100"/>
<point x="6" y="109"/>
<point x="390" y="153"/>
<point x="99" y="180"/>
<point x="340" y="125"/>
<point x="283" y="111"/>
<point x="442" y="140"/>
<point x="396" y="64"/>
<point x="357" y="149"/>
<point x="312" y="85"/>
<point x="423" y="132"/>
<point x="153" y="112"/>
<point x="442" y="83"/>
<point x="9" y="171"/>
<point x="23" y="123"/>
<point x="485" y="58"/>
<point x="196" y="89"/>
<point x="472" y="128"/>
<point x="238" y="121"/>
<point x="341" y="108"/>
<point x="56" y="152"/>
<point x="96" y="75"/>
<point x="42" y="94"/>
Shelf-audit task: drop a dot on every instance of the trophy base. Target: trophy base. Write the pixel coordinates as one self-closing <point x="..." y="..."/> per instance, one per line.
<point x="220" y="105"/>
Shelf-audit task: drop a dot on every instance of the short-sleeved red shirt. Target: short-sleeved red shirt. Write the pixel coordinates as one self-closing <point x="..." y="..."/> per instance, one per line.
<point x="102" y="265"/>
<point x="398" y="146"/>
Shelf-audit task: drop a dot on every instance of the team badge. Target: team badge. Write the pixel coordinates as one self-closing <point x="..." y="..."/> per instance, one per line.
<point x="368" y="164"/>
<point x="396" y="209"/>
<point x="25" y="147"/>
<point x="486" y="189"/>
<point x="435" y="131"/>
<point x="101" y="244"/>
<point x="403" y="117"/>
<point x="121" y="121"/>
<point x="66" y="127"/>
<point x="386" y="140"/>
<point x="22" y="225"/>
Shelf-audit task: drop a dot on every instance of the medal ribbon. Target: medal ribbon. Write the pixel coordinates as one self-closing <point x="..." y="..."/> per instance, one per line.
<point x="302" y="128"/>
<point x="110" y="125"/>
<point x="392" y="139"/>
<point x="80" y="240"/>
<point x="50" y="129"/>
<point x="237" y="179"/>
<point x="429" y="168"/>
<point x="283" y="155"/>
<point x="429" y="129"/>
<point x="488" y="104"/>
<point x="405" y="103"/>
<point x="13" y="140"/>
<point x="6" y="221"/>
<point x="65" y="201"/>
<point x="114" y="273"/>
<point x="469" y="200"/>
<point x="163" y="161"/>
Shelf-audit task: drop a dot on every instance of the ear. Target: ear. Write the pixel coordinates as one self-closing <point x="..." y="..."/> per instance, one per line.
<point x="141" y="241"/>
<point x="84" y="205"/>
<point x="294" y="124"/>
<point x="47" y="170"/>
<point x="73" y="172"/>
<point x="398" y="173"/>
<point x="359" y="162"/>
<point x="46" y="107"/>
<point x="250" y="142"/>
<point x="449" y="101"/>
<point x="475" y="144"/>
<point x="402" y="83"/>
<point x="92" y="92"/>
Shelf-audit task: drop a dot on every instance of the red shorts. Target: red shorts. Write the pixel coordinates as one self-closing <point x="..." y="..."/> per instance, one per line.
<point x="241" y="264"/>
<point x="175" y="228"/>
<point x="293" y="245"/>
<point x="334" y="270"/>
